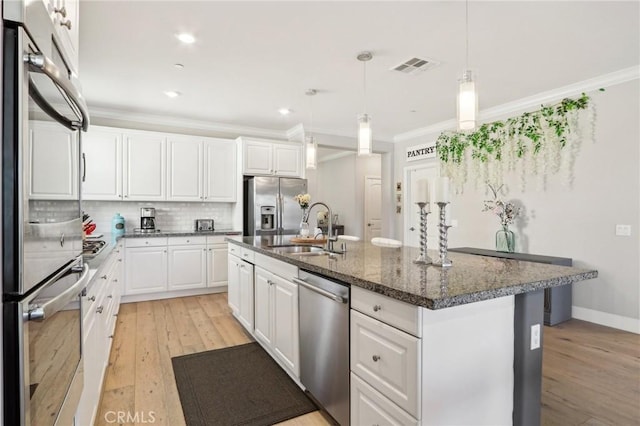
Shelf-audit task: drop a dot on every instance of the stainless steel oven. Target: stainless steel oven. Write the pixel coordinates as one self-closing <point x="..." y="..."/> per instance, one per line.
<point x="43" y="114"/>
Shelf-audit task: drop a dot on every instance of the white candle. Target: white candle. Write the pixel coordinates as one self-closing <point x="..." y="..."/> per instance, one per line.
<point x="442" y="190"/>
<point x="421" y="191"/>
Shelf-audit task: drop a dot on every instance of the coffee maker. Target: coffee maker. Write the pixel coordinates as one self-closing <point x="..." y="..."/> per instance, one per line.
<point x="147" y="219"/>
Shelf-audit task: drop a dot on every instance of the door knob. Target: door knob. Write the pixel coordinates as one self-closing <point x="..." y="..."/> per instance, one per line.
<point x="368" y="224"/>
<point x="412" y="229"/>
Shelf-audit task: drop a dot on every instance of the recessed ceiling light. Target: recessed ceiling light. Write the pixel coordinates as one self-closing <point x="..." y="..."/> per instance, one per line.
<point x="178" y="66"/>
<point x="284" y="111"/>
<point x="186" y="38"/>
<point x="172" y="93"/>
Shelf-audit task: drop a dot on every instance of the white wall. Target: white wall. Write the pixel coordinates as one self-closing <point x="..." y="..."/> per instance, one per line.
<point x="578" y="221"/>
<point x="340" y="183"/>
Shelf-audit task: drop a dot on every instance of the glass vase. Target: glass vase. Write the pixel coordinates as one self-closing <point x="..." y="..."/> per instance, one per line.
<point x="505" y="240"/>
<point x="304" y="229"/>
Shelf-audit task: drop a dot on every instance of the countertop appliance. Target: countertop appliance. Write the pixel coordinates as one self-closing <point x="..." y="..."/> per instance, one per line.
<point x="203" y="225"/>
<point x="324" y="343"/>
<point x="270" y="207"/>
<point x="43" y="274"/>
<point x="147" y="220"/>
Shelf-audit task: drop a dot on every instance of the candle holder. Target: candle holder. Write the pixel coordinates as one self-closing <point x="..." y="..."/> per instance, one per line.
<point x="423" y="259"/>
<point x="443" y="228"/>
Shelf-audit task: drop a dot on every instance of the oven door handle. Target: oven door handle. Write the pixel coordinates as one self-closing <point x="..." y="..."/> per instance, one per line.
<point x="50" y="307"/>
<point x="38" y="62"/>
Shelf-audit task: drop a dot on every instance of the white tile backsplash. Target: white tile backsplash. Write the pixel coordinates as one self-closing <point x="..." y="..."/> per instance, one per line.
<point x="170" y="216"/>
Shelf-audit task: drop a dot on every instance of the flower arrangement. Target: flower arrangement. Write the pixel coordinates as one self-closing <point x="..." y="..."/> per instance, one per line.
<point x="303" y="200"/>
<point x="507" y="212"/>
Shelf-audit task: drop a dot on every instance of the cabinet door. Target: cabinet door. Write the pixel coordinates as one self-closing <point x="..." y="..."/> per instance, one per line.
<point x="287" y="160"/>
<point x="369" y="407"/>
<point x="185" y="169"/>
<point x="102" y="159"/>
<point x="258" y="158"/>
<point x="217" y="271"/>
<point x="90" y="397"/>
<point x="187" y="267"/>
<point x="220" y="170"/>
<point x="285" y="323"/>
<point x="53" y="153"/>
<point x="144" y="166"/>
<point x="263" y="306"/>
<point x="233" y="285"/>
<point x="146" y="270"/>
<point x="245" y="312"/>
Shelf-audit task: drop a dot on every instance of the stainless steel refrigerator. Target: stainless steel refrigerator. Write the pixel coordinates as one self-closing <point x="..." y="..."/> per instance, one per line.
<point x="270" y="207"/>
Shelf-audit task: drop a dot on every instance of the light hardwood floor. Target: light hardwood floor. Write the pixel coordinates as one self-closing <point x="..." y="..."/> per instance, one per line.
<point x="591" y="373"/>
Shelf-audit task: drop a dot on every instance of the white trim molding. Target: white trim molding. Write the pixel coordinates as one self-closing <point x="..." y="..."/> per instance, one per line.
<point x="603" y="81"/>
<point x="609" y="320"/>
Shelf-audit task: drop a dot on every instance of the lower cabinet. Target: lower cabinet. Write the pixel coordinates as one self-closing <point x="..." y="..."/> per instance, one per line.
<point x="217" y="265"/>
<point x="245" y="293"/>
<point x="100" y="305"/>
<point x="187" y="267"/>
<point x="233" y="286"/>
<point x="146" y="269"/>
<point x="370" y="407"/>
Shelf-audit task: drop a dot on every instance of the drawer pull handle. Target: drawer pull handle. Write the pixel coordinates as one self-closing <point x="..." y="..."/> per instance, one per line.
<point x="92" y="299"/>
<point x="99" y="309"/>
<point x="111" y="336"/>
<point x="110" y="296"/>
<point x="375" y="358"/>
<point x="376" y="308"/>
<point x="104" y="277"/>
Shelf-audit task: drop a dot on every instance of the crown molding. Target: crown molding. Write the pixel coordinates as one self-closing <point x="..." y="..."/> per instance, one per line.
<point x="296" y="133"/>
<point x="606" y="80"/>
<point x="146" y="118"/>
<point x="336" y="156"/>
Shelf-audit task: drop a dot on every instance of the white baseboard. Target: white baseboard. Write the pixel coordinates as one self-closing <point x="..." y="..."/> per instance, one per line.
<point x="132" y="298"/>
<point x="606" y="319"/>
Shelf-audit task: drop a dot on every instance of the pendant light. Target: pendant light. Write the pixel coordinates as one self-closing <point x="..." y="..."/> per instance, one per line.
<point x="467" y="96"/>
<point x="311" y="146"/>
<point x="365" y="137"/>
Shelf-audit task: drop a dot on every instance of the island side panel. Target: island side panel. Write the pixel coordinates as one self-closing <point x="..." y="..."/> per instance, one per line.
<point x="527" y="390"/>
<point x="467" y="364"/>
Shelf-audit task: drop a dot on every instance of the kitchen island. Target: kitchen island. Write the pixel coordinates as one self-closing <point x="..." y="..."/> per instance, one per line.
<point x="460" y="345"/>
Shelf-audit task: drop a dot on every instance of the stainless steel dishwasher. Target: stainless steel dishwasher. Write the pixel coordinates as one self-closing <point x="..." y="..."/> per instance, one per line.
<point x="324" y="343"/>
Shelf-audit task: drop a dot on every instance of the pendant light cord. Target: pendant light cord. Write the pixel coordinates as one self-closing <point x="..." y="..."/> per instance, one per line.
<point x="364" y="84"/>
<point x="466" y="34"/>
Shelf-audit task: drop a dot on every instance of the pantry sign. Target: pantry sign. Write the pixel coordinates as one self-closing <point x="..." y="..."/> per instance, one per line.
<point x="421" y="152"/>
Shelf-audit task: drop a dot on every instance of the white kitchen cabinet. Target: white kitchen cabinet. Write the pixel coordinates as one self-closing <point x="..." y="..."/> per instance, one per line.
<point x="53" y="152"/>
<point x="217" y="271"/>
<point x="187" y="267"/>
<point x="370" y="407"/>
<point x="245" y="302"/>
<point x="271" y="158"/>
<point x="263" y="306"/>
<point x="220" y="171"/>
<point x="145" y="166"/>
<point x="65" y="15"/>
<point x="102" y="160"/>
<point x="185" y="174"/>
<point x="233" y="285"/>
<point x="146" y="269"/>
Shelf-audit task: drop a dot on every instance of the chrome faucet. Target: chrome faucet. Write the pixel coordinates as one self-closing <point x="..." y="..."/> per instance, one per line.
<point x="330" y="237"/>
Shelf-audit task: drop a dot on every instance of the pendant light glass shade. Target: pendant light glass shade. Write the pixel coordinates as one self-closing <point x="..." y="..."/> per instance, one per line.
<point x="467" y="103"/>
<point x="311" y="147"/>
<point x="364" y="134"/>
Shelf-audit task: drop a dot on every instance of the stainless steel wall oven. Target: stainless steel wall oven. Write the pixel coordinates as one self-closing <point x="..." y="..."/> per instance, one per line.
<point x="42" y="271"/>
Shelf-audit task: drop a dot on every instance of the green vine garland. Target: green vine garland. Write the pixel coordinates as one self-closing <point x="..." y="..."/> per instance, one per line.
<point x="540" y="137"/>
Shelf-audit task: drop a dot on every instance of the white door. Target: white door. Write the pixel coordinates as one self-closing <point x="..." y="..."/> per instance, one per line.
<point x="187" y="267"/>
<point x="145" y="166"/>
<point x="217" y="260"/>
<point x="285" y="323"/>
<point x="185" y="169"/>
<point x="257" y="158"/>
<point x="233" y="285"/>
<point x="54" y="162"/>
<point x="245" y="305"/>
<point x="287" y="160"/>
<point x="220" y="170"/>
<point x="263" y="305"/>
<point x="146" y="270"/>
<point x="372" y="207"/>
<point x="411" y="216"/>
<point x="102" y="160"/>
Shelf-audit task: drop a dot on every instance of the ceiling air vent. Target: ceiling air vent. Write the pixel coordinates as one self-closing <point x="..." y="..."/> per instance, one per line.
<point x="415" y="65"/>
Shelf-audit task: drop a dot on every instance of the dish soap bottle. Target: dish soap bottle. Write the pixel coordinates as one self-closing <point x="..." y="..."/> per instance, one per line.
<point x="117" y="226"/>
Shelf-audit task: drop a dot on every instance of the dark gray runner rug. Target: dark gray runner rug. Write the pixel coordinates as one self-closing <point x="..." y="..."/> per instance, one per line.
<point x="239" y="385"/>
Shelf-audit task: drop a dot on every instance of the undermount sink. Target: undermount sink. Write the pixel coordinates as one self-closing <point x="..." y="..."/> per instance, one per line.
<point x="301" y="250"/>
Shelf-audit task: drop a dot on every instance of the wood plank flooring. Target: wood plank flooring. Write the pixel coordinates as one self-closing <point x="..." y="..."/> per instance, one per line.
<point x="591" y="374"/>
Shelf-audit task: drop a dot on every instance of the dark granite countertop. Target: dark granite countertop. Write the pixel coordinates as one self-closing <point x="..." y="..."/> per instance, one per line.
<point x="391" y="272"/>
<point x="181" y="233"/>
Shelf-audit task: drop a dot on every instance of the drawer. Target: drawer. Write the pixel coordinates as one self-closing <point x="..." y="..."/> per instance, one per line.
<point x="187" y="241"/>
<point x="278" y="267"/>
<point x="370" y="407"/>
<point x="216" y="239"/>
<point x="388" y="359"/>
<point x="399" y="314"/>
<point x="146" y="242"/>
<point x="234" y="250"/>
<point x="247" y="255"/>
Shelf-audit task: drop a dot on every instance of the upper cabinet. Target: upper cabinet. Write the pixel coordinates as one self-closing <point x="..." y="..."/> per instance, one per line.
<point x="124" y="164"/>
<point x="262" y="157"/>
<point x="65" y="15"/>
<point x="53" y="154"/>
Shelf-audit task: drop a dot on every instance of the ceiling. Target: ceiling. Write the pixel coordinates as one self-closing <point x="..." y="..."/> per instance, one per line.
<point x="252" y="58"/>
